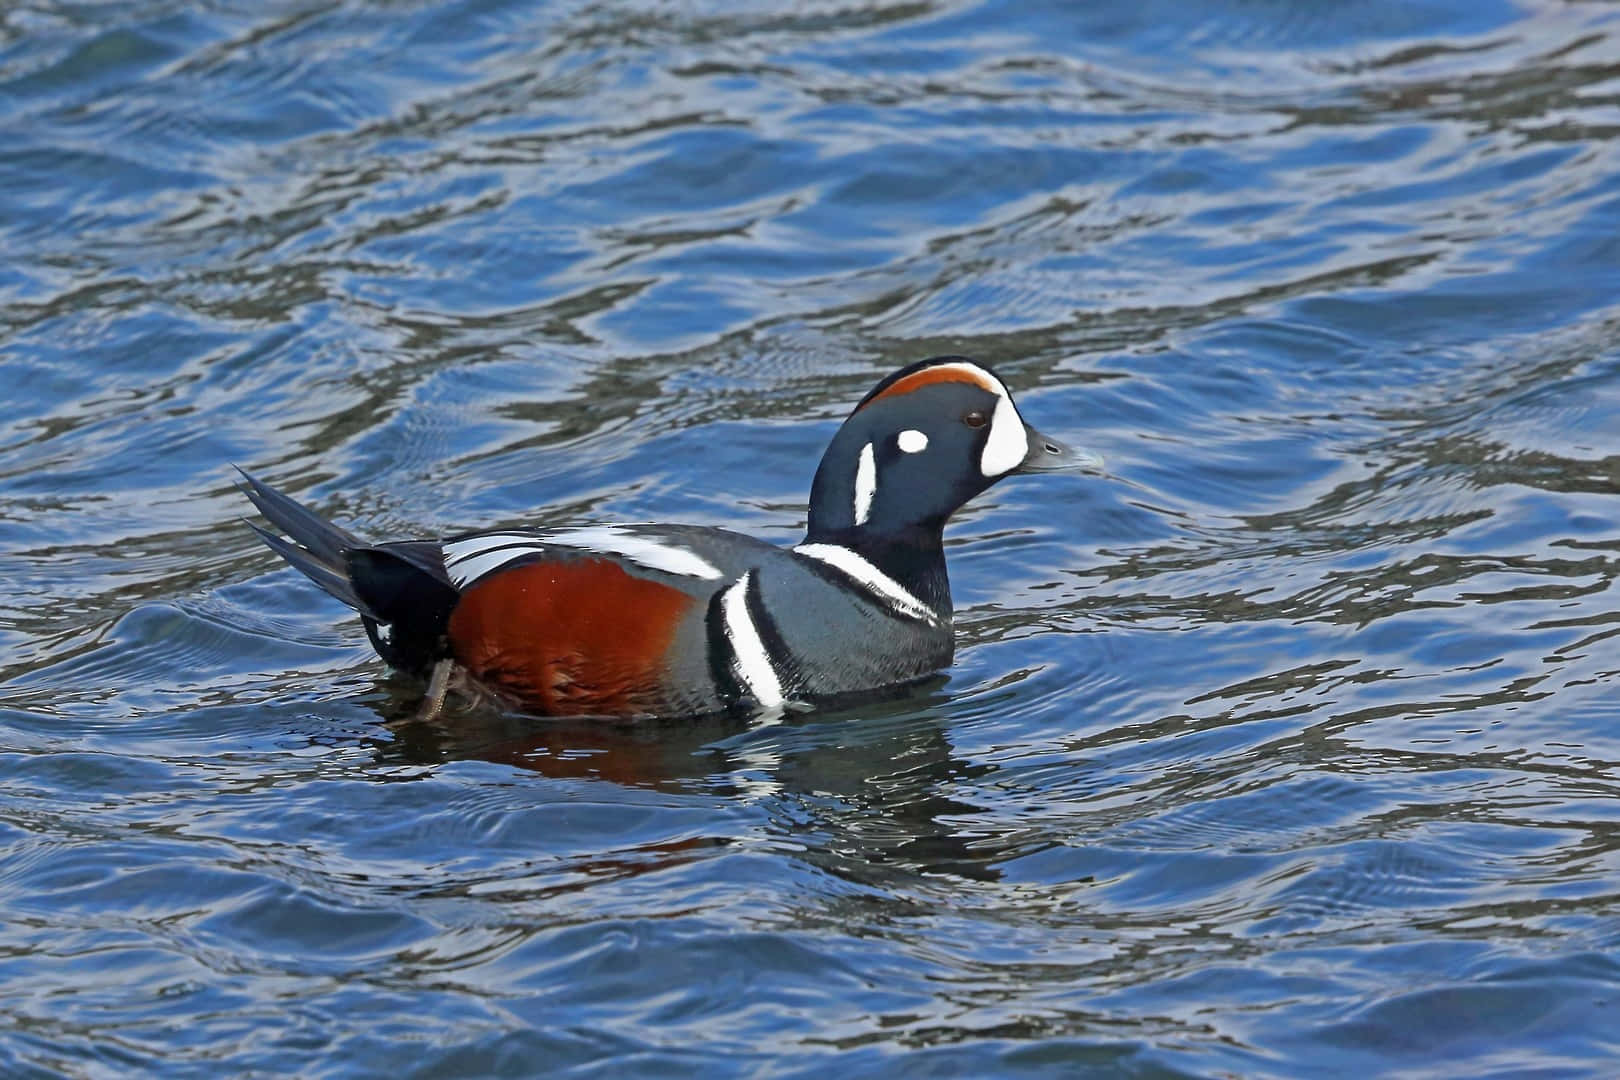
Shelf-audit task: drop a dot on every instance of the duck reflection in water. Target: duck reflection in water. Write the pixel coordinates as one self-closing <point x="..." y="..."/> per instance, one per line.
<point x="876" y="772"/>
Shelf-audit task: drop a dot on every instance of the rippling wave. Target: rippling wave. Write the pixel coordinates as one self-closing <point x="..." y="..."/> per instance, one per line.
<point x="1289" y="745"/>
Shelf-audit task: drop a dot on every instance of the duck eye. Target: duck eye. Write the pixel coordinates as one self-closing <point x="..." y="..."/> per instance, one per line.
<point x="975" y="419"/>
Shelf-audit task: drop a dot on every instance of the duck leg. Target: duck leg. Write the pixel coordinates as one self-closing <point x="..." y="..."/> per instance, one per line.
<point x="438" y="686"/>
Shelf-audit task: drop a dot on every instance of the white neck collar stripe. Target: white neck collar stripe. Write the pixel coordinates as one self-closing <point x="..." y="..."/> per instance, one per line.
<point x="876" y="581"/>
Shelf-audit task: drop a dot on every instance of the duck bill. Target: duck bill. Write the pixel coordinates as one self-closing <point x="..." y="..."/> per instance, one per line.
<point x="1047" y="454"/>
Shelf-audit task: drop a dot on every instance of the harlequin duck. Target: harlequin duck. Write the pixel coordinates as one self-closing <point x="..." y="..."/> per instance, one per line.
<point x="679" y="619"/>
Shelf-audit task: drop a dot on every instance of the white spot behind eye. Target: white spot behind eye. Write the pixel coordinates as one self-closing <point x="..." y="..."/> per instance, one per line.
<point x="865" y="484"/>
<point x="912" y="441"/>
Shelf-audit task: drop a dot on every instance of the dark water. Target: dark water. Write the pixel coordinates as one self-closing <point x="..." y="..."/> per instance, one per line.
<point x="1291" y="746"/>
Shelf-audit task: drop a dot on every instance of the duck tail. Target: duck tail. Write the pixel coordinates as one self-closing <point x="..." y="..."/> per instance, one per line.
<point x="318" y="549"/>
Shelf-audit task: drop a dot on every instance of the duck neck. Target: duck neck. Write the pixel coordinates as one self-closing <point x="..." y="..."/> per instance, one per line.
<point x="913" y="557"/>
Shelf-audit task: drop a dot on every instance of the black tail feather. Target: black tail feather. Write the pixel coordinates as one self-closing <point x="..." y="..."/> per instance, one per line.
<point x="318" y="549"/>
<point x="333" y="580"/>
<point x="309" y="530"/>
<point x="400" y="589"/>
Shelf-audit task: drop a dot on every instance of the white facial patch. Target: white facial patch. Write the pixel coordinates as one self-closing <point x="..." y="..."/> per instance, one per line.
<point x="865" y="484"/>
<point x="1006" y="445"/>
<point x="912" y="441"/>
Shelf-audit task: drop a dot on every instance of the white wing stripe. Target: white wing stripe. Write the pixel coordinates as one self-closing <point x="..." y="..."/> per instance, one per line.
<point x="641" y="550"/>
<point x="470" y="559"/>
<point x="458" y="550"/>
<point x="753" y="661"/>
<point x="469" y="568"/>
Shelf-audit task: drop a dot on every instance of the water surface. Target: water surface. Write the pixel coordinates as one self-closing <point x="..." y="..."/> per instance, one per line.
<point x="1290" y="746"/>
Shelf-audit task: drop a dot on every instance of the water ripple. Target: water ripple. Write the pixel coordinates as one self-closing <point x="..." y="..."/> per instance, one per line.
<point x="1288" y="744"/>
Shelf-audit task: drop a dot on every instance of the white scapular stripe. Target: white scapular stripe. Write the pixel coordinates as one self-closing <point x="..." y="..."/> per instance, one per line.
<point x="753" y="662"/>
<point x="470" y="559"/>
<point x="641" y="550"/>
<point x="865" y="484"/>
<point x="469" y="568"/>
<point x="1005" y="447"/>
<point x="874" y="579"/>
<point x="458" y="550"/>
<point x="912" y="441"/>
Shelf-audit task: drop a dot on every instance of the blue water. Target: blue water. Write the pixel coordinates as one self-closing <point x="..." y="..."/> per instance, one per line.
<point x="1291" y="746"/>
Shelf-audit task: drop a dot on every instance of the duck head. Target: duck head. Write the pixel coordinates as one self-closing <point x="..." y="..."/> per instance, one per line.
<point x="922" y="443"/>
